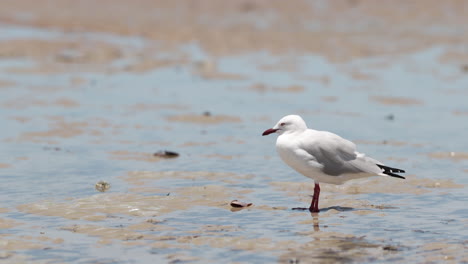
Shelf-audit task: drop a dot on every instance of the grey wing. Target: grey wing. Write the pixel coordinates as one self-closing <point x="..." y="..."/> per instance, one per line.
<point x="339" y="156"/>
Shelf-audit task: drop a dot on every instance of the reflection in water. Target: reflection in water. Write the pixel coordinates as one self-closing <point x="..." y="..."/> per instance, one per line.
<point x="331" y="247"/>
<point x="315" y="221"/>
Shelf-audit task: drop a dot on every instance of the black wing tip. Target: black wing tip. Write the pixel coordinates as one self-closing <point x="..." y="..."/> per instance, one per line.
<point x="394" y="175"/>
<point x="391" y="171"/>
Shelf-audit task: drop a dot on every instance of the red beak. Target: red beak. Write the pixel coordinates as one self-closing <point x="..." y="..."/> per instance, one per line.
<point x="269" y="131"/>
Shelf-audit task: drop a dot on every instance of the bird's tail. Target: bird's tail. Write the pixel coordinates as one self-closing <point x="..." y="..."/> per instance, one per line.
<point x="391" y="171"/>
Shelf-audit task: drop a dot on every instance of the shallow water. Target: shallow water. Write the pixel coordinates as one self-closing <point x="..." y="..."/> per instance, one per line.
<point x="65" y="130"/>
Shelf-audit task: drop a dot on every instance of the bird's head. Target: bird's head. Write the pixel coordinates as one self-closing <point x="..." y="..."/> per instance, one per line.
<point x="287" y="124"/>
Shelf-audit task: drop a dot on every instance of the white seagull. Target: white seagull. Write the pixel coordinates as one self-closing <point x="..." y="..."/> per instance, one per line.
<point x="323" y="156"/>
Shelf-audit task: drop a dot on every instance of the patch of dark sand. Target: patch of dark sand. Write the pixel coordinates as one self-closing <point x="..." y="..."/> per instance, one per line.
<point x="141" y="178"/>
<point x="238" y="242"/>
<point x="182" y="258"/>
<point x="101" y="206"/>
<point x="20" y="119"/>
<point x="330" y="247"/>
<point x="109" y="233"/>
<point x="234" y="140"/>
<point x="60" y="66"/>
<point x="394" y="143"/>
<point x="359" y="75"/>
<point x="60" y="130"/>
<point x="59" y="127"/>
<point x="343" y="113"/>
<point x="270" y="208"/>
<point x="219" y="33"/>
<point x="208" y="69"/>
<point x="12" y="257"/>
<point x="263" y="119"/>
<point x="204" y="119"/>
<point x="65" y="103"/>
<point x="396" y="159"/>
<point x="43" y="68"/>
<point x="444" y="251"/>
<point x="411" y="185"/>
<point x="6" y="84"/>
<point x="460" y="113"/>
<point x="454" y="55"/>
<point x="454" y="156"/>
<point x="322" y="79"/>
<point x="43" y="238"/>
<point x="221" y="156"/>
<point x="26" y="102"/>
<point x="197" y="144"/>
<point x="39" y="89"/>
<point x="164" y="245"/>
<point x="284" y="64"/>
<point x="400" y="101"/>
<point x="4" y="165"/>
<point x="329" y="99"/>
<point x="217" y="230"/>
<point x="142" y="107"/>
<point x="13" y="243"/>
<point x="321" y="112"/>
<point x="130" y="238"/>
<point x="138" y="156"/>
<point x="61" y="51"/>
<point x="263" y="88"/>
<point x="78" y="81"/>
<point x="148" y="63"/>
<point x="150" y="225"/>
<point x="6" y="223"/>
<point x="148" y="189"/>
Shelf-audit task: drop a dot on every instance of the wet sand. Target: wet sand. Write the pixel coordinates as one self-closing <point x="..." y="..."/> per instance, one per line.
<point x="90" y="91"/>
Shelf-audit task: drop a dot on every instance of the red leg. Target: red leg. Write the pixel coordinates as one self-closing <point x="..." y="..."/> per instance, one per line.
<point x="315" y="199"/>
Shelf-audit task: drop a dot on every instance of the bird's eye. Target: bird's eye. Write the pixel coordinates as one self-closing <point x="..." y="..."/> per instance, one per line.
<point x="282" y="124"/>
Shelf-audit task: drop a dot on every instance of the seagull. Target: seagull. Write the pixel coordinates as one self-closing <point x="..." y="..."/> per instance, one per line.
<point x="323" y="156"/>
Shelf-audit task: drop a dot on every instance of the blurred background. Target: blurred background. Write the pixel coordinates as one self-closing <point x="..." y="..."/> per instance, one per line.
<point x="97" y="90"/>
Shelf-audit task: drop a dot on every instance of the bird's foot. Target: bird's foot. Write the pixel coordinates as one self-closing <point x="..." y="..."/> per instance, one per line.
<point x="314" y="210"/>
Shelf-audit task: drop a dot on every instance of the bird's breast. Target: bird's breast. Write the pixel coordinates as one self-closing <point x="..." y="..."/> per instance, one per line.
<point x="299" y="159"/>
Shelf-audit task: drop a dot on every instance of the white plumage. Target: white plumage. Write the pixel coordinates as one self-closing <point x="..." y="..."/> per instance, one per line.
<point x="323" y="156"/>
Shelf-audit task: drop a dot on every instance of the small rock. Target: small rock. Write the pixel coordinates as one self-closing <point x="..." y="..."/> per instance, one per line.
<point x="465" y="68"/>
<point x="153" y="221"/>
<point x="390" y="248"/>
<point x="102" y="186"/>
<point x="52" y="148"/>
<point x="237" y="204"/>
<point x="166" y="154"/>
<point x="5" y="255"/>
<point x="390" y="117"/>
<point x="294" y="261"/>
